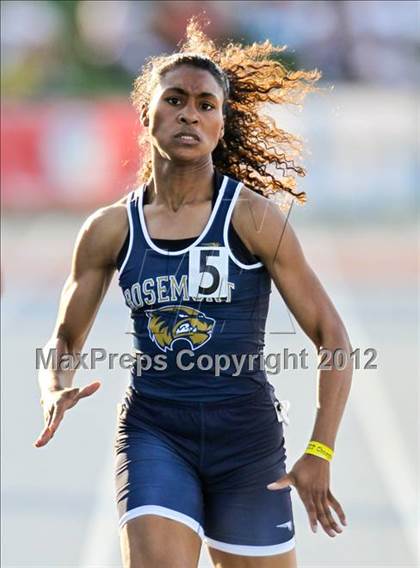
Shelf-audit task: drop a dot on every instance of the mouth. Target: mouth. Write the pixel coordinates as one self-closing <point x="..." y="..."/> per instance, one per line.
<point x="188" y="137"/>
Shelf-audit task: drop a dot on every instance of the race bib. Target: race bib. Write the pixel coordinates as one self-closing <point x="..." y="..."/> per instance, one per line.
<point x="208" y="272"/>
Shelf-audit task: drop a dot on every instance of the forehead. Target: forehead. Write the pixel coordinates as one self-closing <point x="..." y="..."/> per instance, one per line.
<point x="191" y="79"/>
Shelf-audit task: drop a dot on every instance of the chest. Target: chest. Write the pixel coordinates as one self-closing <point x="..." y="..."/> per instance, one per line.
<point x="188" y="221"/>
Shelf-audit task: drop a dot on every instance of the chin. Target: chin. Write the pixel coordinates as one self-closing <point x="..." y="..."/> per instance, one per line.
<point x="185" y="155"/>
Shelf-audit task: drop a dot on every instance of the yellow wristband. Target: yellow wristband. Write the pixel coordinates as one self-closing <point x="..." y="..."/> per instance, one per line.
<point x="321" y="450"/>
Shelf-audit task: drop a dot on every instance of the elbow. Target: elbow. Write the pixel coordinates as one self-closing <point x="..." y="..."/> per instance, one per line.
<point x="336" y="353"/>
<point x="333" y="337"/>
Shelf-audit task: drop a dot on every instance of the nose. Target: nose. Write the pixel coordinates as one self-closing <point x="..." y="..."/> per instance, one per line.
<point x="187" y="119"/>
<point x="188" y="115"/>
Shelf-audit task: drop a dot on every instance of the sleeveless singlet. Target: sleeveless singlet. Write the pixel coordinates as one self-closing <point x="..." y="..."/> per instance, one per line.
<point x="198" y="313"/>
<point x="238" y="248"/>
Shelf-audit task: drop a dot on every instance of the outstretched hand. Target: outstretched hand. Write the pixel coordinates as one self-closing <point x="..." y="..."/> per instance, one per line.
<point x="55" y="403"/>
<point x="311" y="477"/>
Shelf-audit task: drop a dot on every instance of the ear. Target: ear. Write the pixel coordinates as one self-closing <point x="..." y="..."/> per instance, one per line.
<point x="144" y="116"/>
<point x="222" y="132"/>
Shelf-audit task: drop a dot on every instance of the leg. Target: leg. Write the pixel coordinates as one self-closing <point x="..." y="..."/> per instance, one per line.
<point x="226" y="560"/>
<point x="246" y="525"/>
<point x="159" y="501"/>
<point x="251" y="528"/>
<point x="150" y="541"/>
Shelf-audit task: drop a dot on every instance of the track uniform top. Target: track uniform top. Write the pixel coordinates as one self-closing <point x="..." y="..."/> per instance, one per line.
<point x="192" y="306"/>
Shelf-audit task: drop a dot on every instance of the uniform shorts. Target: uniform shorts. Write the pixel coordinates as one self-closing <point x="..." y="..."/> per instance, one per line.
<point x="206" y="464"/>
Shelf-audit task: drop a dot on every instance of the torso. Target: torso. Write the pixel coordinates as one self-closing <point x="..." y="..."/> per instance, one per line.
<point x="161" y="287"/>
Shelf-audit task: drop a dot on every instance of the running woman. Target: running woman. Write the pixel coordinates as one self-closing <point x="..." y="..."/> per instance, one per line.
<point x="199" y="447"/>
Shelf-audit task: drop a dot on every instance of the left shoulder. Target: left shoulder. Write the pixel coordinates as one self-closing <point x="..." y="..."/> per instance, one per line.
<point x="254" y="205"/>
<point x="259" y="222"/>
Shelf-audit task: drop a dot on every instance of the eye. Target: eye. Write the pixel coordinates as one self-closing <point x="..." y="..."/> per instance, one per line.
<point x="173" y="100"/>
<point x="208" y="106"/>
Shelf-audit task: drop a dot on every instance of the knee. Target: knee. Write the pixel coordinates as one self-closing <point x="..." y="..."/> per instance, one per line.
<point x="140" y="550"/>
<point x="146" y="556"/>
<point x="147" y="543"/>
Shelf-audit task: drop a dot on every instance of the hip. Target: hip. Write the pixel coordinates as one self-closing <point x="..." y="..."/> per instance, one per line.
<point x="247" y="424"/>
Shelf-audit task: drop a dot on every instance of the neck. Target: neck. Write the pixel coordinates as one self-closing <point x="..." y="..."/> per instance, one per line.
<point x="176" y="184"/>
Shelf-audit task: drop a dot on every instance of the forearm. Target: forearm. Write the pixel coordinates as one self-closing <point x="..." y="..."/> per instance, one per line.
<point x="56" y="366"/>
<point x="310" y="475"/>
<point x="79" y="303"/>
<point x="333" y="387"/>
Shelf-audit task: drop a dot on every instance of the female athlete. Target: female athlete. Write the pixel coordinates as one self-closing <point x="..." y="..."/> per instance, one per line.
<point x="199" y="446"/>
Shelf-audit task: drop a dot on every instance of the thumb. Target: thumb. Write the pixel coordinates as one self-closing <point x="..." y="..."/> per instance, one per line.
<point x="281" y="483"/>
<point x="89" y="389"/>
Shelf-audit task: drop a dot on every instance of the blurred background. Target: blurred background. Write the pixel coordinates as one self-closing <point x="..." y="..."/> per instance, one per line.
<point x="68" y="137"/>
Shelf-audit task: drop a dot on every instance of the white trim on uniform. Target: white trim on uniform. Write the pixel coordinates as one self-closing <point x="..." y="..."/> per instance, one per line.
<point x="225" y="232"/>
<point x="162" y="512"/>
<point x="197" y="241"/>
<point x="130" y="231"/>
<point x="245" y="550"/>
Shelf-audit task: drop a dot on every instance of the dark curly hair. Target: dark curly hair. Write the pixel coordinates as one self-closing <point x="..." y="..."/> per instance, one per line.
<point x="253" y="148"/>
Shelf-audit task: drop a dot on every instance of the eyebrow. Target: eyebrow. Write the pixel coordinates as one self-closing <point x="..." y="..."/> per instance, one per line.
<point x="184" y="92"/>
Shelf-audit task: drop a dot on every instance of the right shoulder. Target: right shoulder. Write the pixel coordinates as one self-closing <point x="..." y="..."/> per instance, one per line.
<point x="102" y="235"/>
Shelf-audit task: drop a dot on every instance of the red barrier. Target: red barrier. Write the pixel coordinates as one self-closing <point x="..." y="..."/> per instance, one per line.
<point x="72" y="154"/>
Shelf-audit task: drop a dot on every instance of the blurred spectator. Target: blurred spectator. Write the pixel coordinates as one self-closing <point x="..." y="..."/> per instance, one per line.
<point x="365" y="41"/>
<point x="30" y="32"/>
<point x="92" y="46"/>
<point x="169" y="19"/>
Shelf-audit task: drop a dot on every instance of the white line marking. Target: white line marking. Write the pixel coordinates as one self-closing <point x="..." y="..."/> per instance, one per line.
<point x="367" y="395"/>
<point x="101" y="542"/>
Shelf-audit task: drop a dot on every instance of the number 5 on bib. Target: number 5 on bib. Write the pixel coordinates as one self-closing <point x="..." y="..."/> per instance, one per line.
<point x="208" y="272"/>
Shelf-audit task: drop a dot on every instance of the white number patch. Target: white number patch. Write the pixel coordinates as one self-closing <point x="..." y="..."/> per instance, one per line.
<point x="208" y="272"/>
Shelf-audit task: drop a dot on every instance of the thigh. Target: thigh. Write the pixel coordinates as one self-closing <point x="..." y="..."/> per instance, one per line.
<point x="150" y="541"/>
<point x="242" y="517"/>
<point x="153" y="478"/>
<point x="225" y="560"/>
<point x="253" y="522"/>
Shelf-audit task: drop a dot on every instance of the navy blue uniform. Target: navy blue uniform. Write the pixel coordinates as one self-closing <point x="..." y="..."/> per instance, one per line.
<point x="199" y="436"/>
<point x="191" y="304"/>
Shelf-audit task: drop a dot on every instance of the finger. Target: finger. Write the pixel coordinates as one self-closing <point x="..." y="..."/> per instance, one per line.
<point x="45" y="434"/>
<point x="43" y="438"/>
<point x="337" y="508"/>
<point x="281" y="483"/>
<point x="310" y="509"/>
<point x="56" y="418"/>
<point x="88" y="390"/>
<point x="331" y="519"/>
<point x="325" y="517"/>
<point x="47" y="416"/>
<point x="320" y="514"/>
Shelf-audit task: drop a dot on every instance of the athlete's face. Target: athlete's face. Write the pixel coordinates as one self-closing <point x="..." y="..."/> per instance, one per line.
<point x="185" y="115"/>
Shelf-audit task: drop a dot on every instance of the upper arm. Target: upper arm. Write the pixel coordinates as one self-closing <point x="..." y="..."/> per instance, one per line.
<point x="268" y="234"/>
<point x="93" y="265"/>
